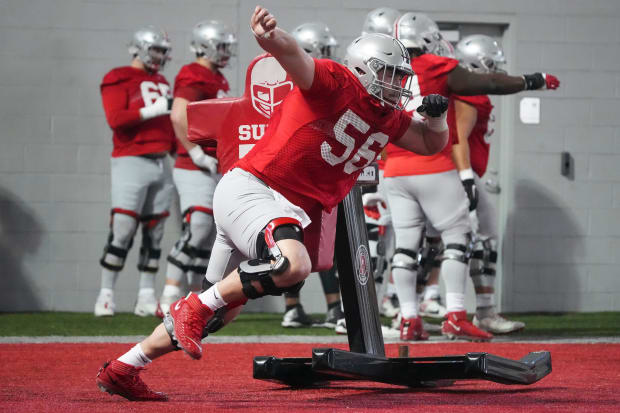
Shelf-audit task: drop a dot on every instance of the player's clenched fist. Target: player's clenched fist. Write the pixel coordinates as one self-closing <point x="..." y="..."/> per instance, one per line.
<point x="433" y="106"/>
<point x="262" y="22"/>
<point x="538" y="80"/>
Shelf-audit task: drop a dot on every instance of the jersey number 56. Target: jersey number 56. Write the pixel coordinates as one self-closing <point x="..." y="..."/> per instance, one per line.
<point x="364" y="152"/>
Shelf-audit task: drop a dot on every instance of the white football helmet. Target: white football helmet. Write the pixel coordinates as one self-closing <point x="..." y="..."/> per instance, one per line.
<point x="316" y="39"/>
<point x="152" y="46"/>
<point x="380" y="20"/>
<point x="214" y="41"/>
<point x="382" y="65"/>
<point x="418" y="31"/>
<point x="480" y="53"/>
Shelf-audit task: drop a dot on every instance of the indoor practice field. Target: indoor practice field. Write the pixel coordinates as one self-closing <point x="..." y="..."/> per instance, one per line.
<point x="51" y="373"/>
<point x="61" y="377"/>
<point x="289" y="206"/>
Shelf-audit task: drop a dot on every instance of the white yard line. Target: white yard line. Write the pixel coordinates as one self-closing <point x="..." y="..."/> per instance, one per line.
<point x="294" y="339"/>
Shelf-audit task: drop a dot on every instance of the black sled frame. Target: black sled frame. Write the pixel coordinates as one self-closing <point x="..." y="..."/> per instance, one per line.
<point x="366" y="361"/>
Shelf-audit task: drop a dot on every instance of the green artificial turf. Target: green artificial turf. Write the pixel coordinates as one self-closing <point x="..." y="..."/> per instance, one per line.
<point x="85" y="324"/>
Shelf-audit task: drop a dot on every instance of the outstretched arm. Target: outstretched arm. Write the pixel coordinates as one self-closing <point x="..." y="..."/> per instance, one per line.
<point x="465" y="116"/>
<point x="281" y="45"/>
<point x="467" y="83"/>
<point x="430" y="136"/>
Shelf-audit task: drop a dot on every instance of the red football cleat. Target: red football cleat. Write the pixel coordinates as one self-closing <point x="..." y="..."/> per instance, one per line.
<point x="457" y="326"/>
<point x="116" y="377"/>
<point x="411" y="329"/>
<point x="189" y="316"/>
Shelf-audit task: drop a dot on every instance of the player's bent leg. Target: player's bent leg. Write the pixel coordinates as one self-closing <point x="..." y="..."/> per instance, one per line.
<point x="285" y="268"/>
<point x="123" y="225"/>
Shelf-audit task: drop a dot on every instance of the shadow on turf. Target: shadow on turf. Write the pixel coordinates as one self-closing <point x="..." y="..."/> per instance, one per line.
<point x="448" y="389"/>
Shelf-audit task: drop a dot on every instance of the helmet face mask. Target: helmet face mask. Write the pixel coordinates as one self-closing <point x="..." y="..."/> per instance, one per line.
<point x="391" y="84"/>
<point x="381" y="63"/>
<point x="214" y="41"/>
<point x="152" y="46"/>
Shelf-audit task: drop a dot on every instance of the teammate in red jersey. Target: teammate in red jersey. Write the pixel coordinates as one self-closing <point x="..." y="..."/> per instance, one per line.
<point x="334" y="122"/>
<point x="472" y="114"/>
<point x="195" y="171"/>
<point x="136" y="103"/>
<point x="428" y="188"/>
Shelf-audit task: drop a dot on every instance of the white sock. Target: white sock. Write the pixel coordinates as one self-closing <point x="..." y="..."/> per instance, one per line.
<point x="135" y="357"/>
<point x="455" y="277"/>
<point x="405" y="282"/>
<point x="169" y="290"/>
<point x="212" y="298"/>
<point x="431" y="292"/>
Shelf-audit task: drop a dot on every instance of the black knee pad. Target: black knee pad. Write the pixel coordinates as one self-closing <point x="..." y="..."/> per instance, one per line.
<point x="120" y="253"/>
<point x="463" y="254"/>
<point x="262" y="271"/>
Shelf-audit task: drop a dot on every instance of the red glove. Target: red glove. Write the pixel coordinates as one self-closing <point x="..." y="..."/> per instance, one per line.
<point x="551" y="82"/>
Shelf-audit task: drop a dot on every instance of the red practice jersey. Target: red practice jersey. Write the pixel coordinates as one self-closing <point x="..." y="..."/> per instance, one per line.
<point x="124" y="91"/>
<point x="478" y="138"/>
<point x="431" y="76"/>
<point x="319" y="140"/>
<point x="196" y="82"/>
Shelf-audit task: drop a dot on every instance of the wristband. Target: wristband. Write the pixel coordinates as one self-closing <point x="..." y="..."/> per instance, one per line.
<point x="466" y="174"/>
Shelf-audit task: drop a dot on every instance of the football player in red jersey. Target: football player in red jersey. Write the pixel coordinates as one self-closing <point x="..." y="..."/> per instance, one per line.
<point x="136" y="103"/>
<point x="334" y="122"/>
<point x="195" y="172"/>
<point x="414" y="181"/>
<point x="472" y="114"/>
<point x="316" y="40"/>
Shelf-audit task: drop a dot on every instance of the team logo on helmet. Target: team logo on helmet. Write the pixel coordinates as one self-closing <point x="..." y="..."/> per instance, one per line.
<point x="362" y="261"/>
<point x="268" y="86"/>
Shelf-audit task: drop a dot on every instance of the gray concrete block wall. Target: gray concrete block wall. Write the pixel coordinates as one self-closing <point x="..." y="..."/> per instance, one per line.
<point x="561" y="238"/>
